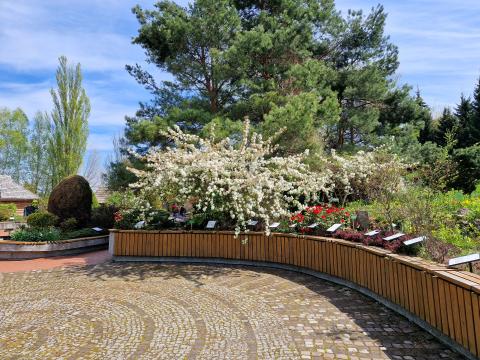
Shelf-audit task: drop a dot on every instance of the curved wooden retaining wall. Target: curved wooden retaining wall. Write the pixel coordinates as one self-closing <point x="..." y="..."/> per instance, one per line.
<point x="444" y="301"/>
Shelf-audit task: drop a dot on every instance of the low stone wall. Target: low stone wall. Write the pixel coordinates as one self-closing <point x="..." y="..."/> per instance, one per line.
<point x="16" y="250"/>
<point x="444" y="301"/>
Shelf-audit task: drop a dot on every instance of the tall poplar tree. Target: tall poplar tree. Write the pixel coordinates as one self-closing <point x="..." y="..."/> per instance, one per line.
<point x="69" y="122"/>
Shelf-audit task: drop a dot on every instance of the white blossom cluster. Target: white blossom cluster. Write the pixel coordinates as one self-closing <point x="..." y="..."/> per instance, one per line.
<point x="243" y="180"/>
<point x="365" y="173"/>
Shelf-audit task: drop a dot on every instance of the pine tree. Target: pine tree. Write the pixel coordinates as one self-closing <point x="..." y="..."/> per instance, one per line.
<point x="473" y="125"/>
<point x="464" y="114"/>
<point x="447" y="127"/>
<point x="427" y="131"/>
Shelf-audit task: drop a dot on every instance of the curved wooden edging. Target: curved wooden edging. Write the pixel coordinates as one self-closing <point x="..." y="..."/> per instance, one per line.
<point x="19" y="250"/>
<point x="444" y="301"/>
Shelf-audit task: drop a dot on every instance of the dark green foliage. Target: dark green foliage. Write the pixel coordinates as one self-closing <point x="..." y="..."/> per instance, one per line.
<point x="37" y="235"/>
<point x="448" y="126"/>
<point x="254" y="58"/>
<point x="198" y="221"/>
<point x="128" y="220"/>
<point x="468" y="161"/>
<point x="473" y="125"/>
<point x="103" y="216"/>
<point x="160" y="220"/>
<point x="427" y="132"/>
<point x="72" y="198"/>
<point x="7" y="211"/>
<point x="42" y="219"/>
<point x="68" y="225"/>
<point x="464" y="114"/>
<point x="81" y="233"/>
<point x="117" y="176"/>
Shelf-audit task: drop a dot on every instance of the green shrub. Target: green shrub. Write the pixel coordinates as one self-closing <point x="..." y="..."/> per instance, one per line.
<point x="127" y="219"/>
<point x="69" y="225"/>
<point x="36" y="235"/>
<point x="72" y="198"/>
<point x="7" y="211"/>
<point x="103" y="216"/>
<point x="198" y="221"/>
<point x="95" y="203"/>
<point x="41" y="219"/>
<point x="468" y="161"/>
<point x="80" y="233"/>
<point x="159" y="219"/>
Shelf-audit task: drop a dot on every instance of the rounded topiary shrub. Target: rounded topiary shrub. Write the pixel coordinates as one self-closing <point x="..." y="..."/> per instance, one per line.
<point x="41" y="219"/>
<point x="72" y="198"/>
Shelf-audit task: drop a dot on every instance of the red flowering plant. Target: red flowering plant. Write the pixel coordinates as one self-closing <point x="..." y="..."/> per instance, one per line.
<point x="325" y="215"/>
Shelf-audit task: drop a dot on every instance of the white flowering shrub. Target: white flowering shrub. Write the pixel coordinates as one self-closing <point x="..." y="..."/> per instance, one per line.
<point x="242" y="181"/>
<point x="366" y="175"/>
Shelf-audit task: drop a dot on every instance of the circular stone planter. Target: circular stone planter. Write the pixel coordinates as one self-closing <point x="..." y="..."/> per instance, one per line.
<point x="20" y="250"/>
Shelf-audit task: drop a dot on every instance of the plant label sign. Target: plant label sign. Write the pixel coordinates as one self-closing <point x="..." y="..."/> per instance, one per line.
<point x="211" y="224"/>
<point x="393" y="237"/>
<point x="275" y="225"/>
<point x="97" y="229"/>
<point x="313" y="226"/>
<point x="139" y="225"/>
<point x="292" y="226"/>
<point x="334" y="228"/>
<point x="464" y="259"/>
<point x="372" y="233"/>
<point x="252" y="222"/>
<point x="414" y="241"/>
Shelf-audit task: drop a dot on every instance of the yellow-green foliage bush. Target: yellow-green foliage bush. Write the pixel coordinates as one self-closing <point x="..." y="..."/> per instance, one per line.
<point x="7" y="211"/>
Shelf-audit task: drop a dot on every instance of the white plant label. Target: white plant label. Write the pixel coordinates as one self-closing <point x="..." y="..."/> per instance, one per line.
<point x="140" y="224"/>
<point x="334" y="228"/>
<point x="252" y="222"/>
<point x="394" y="236"/>
<point x="415" y="241"/>
<point x="211" y="224"/>
<point x="275" y="225"/>
<point x="372" y="233"/>
<point x="464" y="259"/>
<point x="97" y="229"/>
<point x="314" y="225"/>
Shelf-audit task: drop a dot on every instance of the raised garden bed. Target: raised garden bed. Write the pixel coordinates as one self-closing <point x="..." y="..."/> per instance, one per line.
<point x="18" y="250"/>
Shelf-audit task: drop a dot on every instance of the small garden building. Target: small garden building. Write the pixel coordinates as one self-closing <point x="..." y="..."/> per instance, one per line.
<point x="13" y="193"/>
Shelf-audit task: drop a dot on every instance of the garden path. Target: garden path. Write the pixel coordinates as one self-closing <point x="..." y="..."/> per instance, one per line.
<point x="91" y="258"/>
<point x="158" y="311"/>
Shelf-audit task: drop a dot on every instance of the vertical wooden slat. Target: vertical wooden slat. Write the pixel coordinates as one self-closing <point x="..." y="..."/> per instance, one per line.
<point x="470" y="325"/>
<point x="462" y="318"/>
<point x="419" y="294"/>
<point x="430" y="303"/>
<point x="476" y="320"/>
<point x="455" y="312"/>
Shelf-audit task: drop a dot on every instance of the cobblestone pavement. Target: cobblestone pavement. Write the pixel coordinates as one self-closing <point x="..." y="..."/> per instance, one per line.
<point x="153" y="311"/>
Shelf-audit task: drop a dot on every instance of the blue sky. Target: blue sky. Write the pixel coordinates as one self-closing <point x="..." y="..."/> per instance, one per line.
<point x="439" y="43"/>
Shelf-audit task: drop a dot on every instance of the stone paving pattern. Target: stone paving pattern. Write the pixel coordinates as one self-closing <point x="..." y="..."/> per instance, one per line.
<point x="154" y="311"/>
